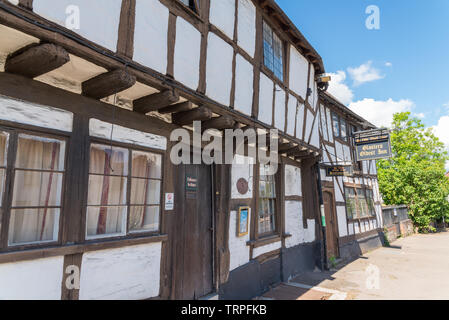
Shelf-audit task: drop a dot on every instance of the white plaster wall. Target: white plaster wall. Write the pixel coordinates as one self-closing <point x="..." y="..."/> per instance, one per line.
<point x="239" y="250"/>
<point x="242" y="167"/>
<point x="187" y="54"/>
<point x="339" y="151"/>
<point x="266" y="249"/>
<point x="342" y="221"/>
<point x="323" y="123"/>
<point x="32" y="280"/>
<point x="295" y="227"/>
<point x="219" y="69"/>
<point x="99" y="19"/>
<point x="121" y="274"/>
<point x="103" y="130"/>
<point x="329" y="125"/>
<point x="347" y="153"/>
<point x="338" y="192"/>
<point x="34" y="114"/>
<point x="351" y="229"/>
<point x="244" y="80"/>
<point x="266" y="99"/>
<point x="279" y="109"/>
<point x="309" y="123"/>
<point x="365" y="167"/>
<point x="222" y="15"/>
<point x="315" y="138"/>
<point x="150" y="36"/>
<point x="246" y="29"/>
<point x="300" y="122"/>
<point x="293" y="185"/>
<point x="299" y="69"/>
<point x="291" y="115"/>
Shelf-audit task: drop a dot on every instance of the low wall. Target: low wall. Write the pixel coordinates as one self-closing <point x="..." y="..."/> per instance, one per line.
<point x="397" y="222"/>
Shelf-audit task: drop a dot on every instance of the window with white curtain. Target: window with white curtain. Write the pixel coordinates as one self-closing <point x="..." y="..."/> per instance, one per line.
<point x="267" y="201"/>
<point x="37" y="175"/>
<point x="124" y="191"/>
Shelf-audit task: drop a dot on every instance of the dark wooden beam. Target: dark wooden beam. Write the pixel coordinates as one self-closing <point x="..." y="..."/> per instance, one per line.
<point x="175" y="108"/>
<point x="37" y="60"/>
<point x="107" y="84"/>
<point x="285" y="147"/>
<point x="156" y="101"/>
<point x="187" y="117"/>
<point x="220" y="123"/>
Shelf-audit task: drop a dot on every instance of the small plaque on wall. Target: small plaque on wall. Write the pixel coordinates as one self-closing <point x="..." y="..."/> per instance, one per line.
<point x="243" y="222"/>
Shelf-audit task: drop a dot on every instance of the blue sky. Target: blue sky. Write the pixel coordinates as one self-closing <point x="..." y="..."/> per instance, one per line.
<point x="402" y="66"/>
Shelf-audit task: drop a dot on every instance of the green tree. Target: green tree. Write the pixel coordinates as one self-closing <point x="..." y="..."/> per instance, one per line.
<point x="414" y="176"/>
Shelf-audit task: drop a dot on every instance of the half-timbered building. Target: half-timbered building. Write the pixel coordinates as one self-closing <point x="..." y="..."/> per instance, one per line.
<point x="91" y="205"/>
<point x="352" y="204"/>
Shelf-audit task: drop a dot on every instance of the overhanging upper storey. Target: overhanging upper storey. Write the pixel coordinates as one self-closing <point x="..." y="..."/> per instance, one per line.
<point x="227" y="63"/>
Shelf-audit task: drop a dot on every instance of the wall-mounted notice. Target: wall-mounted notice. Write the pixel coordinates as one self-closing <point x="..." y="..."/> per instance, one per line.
<point x="169" y="201"/>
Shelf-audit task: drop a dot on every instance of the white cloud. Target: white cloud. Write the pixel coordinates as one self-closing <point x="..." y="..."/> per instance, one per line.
<point x="388" y="64"/>
<point x="380" y="113"/>
<point x="364" y="73"/>
<point x="339" y="89"/>
<point x="419" y="115"/>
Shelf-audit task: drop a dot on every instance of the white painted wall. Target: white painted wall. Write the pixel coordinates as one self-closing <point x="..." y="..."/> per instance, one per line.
<point x="266" y="249"/>
<point x="293" y="183"/>
<point x="242" y="167"/>
<point x="295" y="227"/>
<point x="121" y="274"/>
<point x="150" y="35"/>
<point x="342" y="221"/>
<point x="222" y="15"/>
<point x="244" y="80"/>
<point x="291" y="115"/>
<point x="329" y="125"/>
<point x="219" y="69"/>
<point x="34" y="114"/>
<point x="99" y="19"/>
<point x="279" y="109"/>
<point x="300" y="122"/>
<point x="101" y="129"/>
<point x="32" y="280"/>
<point x="309" y="123"/>
<point x="246" y="29"/>
<point x="315" y="138"/>
<point x="238" y="248"/>
<point x="339" y="197"/>
<point x="187" y="54"/>
<point x="299" y="70"/>
<point x="266" y="99"/>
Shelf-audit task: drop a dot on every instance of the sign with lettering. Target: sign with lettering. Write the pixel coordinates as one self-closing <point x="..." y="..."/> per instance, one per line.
<point x="191" y="183"/>
<point x="339" y="171"/>
<point x="372" y="145"/>
<point x="169" y="201"/>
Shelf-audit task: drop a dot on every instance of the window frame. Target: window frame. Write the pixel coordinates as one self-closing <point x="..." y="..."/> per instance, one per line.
<point x="14" y="131"/>
<point x="360" y="193"/>
<point x="127" y="234"/>
<point x="278" y="209"/>
<point x="283" y="51"/>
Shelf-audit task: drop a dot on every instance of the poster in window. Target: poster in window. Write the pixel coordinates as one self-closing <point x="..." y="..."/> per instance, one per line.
<point x="243" y="221"/>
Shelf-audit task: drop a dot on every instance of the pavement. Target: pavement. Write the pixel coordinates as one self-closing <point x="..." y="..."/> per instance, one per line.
<point x="413" y="268"/>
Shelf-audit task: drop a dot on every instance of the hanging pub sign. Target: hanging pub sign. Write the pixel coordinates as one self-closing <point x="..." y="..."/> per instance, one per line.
<point x="372" y="145"/>
<point x="339" y="171"/>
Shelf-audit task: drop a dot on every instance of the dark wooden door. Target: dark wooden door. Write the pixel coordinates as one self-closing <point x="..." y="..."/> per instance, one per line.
<point x="331" y="225"/>
<point x="194" y="250"/>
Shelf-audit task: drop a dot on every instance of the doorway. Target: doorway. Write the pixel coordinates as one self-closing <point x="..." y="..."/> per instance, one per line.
<point x="331" y="225"/>
<point x="194" y="232"/>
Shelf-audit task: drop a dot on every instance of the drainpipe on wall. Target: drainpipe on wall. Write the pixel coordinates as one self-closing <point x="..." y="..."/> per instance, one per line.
<point x="323" y="220"/>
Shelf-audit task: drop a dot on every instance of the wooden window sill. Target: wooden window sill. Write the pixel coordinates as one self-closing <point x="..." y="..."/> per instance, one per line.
<point x="33" y="254"/>
<point x="264" y="241"/>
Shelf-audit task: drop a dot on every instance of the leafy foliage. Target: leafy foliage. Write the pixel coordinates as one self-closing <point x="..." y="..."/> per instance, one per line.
<point x="415" y="175"/>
